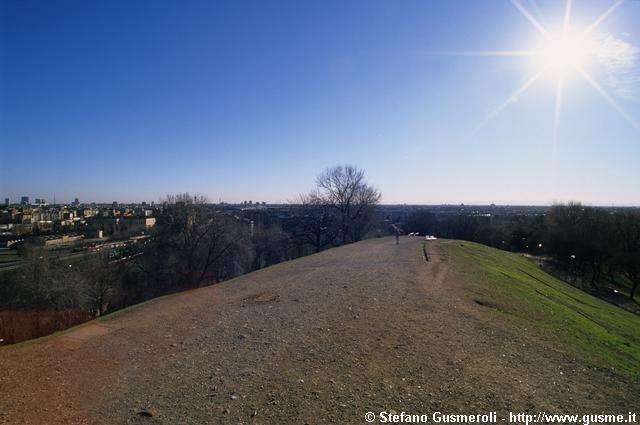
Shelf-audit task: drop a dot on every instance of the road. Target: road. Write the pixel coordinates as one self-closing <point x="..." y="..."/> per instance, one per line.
<point x="322" y="339"/>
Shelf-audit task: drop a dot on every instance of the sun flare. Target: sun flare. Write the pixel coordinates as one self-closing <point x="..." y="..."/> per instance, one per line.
<point x="560" y="55"/>
<point x="563" y="54"/>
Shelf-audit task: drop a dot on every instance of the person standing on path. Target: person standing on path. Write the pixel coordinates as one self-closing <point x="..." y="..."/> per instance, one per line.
<point x="396" y="230"/>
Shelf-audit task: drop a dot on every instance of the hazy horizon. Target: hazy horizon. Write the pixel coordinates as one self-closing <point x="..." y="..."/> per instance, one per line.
<point x="50" y="201"/>
<point x="250" y="101"/>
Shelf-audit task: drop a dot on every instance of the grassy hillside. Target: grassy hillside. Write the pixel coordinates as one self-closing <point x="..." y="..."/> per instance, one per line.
<point x="512" y="285"/>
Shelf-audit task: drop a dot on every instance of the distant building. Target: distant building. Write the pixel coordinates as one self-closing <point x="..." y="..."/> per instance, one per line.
<point x="59" y="240"/>
<point x="137" y="223"/>
<point x="94" y="233"/>
<point x="6" y="201"/>
<point x="76" y="201"/>
<point x="108" y="225"/>
<point x="40" y="201"/>
<point x="24" y="200"/>
<point x="88" y="212"/>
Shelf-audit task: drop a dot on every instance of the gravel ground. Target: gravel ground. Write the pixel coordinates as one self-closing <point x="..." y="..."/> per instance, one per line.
<point x="322" y="339"/>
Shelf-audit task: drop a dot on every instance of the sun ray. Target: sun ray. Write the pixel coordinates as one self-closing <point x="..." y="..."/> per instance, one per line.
<point x="556" y="116"/>
<point x="567" y="16"/>
<point x="538" y="12"/>
<point x="608" y="98"/>
<point x="530" y="17"/>
<point x="513" y="97"/>
<point x="602" y="17"/>
<point x="560" y="56"/>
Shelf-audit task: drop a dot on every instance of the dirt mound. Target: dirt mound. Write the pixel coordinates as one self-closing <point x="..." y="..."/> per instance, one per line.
<point x="368" y="327"/>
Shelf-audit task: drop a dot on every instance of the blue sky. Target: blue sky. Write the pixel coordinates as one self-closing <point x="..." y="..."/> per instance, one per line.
<point x="129" y="101"/>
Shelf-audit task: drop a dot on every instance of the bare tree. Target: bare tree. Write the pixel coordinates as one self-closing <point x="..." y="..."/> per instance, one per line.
<point x="628" y="257"/>
<point x="564" y="237"/>
<point x="316" y="224"/>
<point x="345" y="189"/>
<point x="44" y="281"/>
<point x="101" y="283"/>
<point x="271" y="245"/>
<point x="193" y="242"/>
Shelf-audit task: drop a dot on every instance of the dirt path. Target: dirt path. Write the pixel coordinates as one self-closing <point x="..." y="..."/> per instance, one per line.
<point x="323" y="339"/>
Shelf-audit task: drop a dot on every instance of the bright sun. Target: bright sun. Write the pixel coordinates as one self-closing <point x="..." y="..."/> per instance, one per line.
<point x="563" y="53"/>
<point x="560" y="55"/>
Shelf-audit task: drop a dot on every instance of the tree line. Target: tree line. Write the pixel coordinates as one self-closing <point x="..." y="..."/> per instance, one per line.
<point x="195" y="243"/>
<point x="592" y="245"/>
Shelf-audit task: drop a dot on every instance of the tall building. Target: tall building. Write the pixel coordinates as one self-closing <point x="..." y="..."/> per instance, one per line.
<point x="6" y="201"/>
<point x="76" y="201"/>
<point x="24" y="200"/>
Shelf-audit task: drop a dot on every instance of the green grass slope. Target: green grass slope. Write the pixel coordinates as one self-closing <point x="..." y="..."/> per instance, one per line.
<point x="515" y="287"/>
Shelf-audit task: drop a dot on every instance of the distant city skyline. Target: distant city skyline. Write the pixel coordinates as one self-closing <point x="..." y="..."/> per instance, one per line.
<point x="48" y="201"/>
<point x="438" y="103"/>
